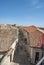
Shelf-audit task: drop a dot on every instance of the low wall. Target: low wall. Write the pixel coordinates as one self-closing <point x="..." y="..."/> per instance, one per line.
<point x="5" y="60"/>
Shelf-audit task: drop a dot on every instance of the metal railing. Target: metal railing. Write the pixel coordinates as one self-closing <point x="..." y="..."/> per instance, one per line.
<point x="40" y="61"/>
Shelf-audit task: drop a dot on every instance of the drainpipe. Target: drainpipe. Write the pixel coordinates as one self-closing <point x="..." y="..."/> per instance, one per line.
<point x="39" y="63"/>
<point x="43" y="53"/>
<point x="42" y="48"/>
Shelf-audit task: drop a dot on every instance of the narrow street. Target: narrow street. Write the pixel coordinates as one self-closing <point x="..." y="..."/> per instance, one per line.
<point x="20" y="58"/>
<point x="17" y="64"/>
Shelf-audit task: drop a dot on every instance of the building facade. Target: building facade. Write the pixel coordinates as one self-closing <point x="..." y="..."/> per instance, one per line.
<point x="35" y="36"/>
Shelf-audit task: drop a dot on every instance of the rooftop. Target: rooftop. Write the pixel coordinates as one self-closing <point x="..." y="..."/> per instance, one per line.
<point x="8" y="35"/>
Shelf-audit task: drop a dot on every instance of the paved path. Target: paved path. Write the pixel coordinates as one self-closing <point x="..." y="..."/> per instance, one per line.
<point x="20" y="58"/>
<point x="12" y="63"/>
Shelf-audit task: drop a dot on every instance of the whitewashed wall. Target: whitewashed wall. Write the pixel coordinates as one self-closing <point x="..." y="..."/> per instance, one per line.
<point x="13" y="46"/>
<point x="5" y="60"/>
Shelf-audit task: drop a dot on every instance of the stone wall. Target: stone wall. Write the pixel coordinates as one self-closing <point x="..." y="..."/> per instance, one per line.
<point x="8" y="35"/>
<point x="33" y="54"/>
<point x="22" y="38"/>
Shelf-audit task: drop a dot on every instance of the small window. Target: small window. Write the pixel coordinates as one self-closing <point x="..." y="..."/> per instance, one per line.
<point x="25" y="40"/>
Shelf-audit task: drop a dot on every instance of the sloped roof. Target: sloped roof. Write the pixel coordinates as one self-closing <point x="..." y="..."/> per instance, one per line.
<point x="35" y="36"/>
<point x="7" y="37"/>
<point x="42" y="31"/>
<point x="30" y="28"/>
<point x="33" y="28"/>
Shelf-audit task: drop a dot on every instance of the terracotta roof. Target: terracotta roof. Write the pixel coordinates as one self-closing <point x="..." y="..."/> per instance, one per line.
<point x="33" y="28"/>
<point x="30" y="28"/>
<point x="35" y="36"/>
<point x="7" y="37"/>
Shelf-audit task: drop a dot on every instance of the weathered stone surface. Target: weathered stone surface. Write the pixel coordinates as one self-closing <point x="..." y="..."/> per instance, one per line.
<point x="8" y="35"/>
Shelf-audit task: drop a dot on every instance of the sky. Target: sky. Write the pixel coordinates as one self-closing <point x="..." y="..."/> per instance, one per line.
<point x="22" y="12"/>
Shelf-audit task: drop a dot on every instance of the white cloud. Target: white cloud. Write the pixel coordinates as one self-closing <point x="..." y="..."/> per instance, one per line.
<point x="36" y="4"/>
<point x="39" y="6"/>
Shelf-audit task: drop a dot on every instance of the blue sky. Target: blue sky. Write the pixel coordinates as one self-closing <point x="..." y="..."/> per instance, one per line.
<point x="22" y="12"/>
